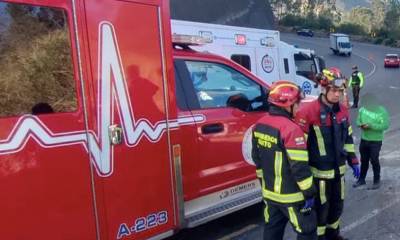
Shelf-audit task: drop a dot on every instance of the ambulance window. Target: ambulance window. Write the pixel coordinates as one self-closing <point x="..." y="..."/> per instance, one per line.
<point x="243" y="60"/>
<point x="219" y="86"/>
<point x="305" y="66"/>
<point x="286" y="64"/>
<point x="36" y="72"/>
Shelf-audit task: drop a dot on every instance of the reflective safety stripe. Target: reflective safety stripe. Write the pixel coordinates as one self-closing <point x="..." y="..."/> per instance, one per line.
<point x="334" y="225"/>
<point x="293" y="219"/>
<point x="329" y="174"/>
<point x="305" y="136"/>
<point x="322" y="191"/>
<point x="342" y="169"/>
<point x="321" y="230"/>
<point x="350" y="130"/>
<point x="320" y="140"/>
<point x="259" y="173"/>
<point x="278" y="172"/>
<point x="266" y="214"/>
<point x="298" y="155"/>
<point x="306" y="183"/>
<point x="342" y="186"/>
<point x="349" y="148"/>
<point x="282" y="198"/>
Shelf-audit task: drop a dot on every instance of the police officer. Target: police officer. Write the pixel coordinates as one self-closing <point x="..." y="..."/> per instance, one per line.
<point x="330" y="144"/>
<point x="279" y="151"/>
<point x="356" y="82"/>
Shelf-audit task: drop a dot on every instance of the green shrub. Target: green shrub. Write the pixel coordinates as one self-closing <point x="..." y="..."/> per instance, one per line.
<point x="378" y="40"/>
<point x="292" y="20"/>
<point x="389" y="42"/>
<point x="324" y="23"/>
<point x="351" y="28"/>
<point x="310" y="21"/>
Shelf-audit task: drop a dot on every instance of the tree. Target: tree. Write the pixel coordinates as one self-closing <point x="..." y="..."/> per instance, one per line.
<point x="378" y="7"/>
<point x="362" y="16"/>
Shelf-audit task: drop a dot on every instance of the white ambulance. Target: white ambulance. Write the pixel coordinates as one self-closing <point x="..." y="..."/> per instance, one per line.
<point x="258" y="50"/>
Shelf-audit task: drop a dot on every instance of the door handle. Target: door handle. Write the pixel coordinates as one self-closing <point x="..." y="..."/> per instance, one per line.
<point x="115" y="134"/>
<point x="212" y="128"/>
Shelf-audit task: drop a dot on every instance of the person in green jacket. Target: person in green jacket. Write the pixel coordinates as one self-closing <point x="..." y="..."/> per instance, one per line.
<point x="373" y="119"/>
<point x="356" y="82"/>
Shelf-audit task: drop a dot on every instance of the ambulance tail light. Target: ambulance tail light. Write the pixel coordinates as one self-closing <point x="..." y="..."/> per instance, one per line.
<point x="240" y="39"/>
<point x="189" y="40"/>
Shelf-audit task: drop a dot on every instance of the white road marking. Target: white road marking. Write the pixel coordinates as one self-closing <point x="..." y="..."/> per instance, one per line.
<point x="370" y="215"/>
<point x="393" y="87"/>
<point x="371" y="62"/>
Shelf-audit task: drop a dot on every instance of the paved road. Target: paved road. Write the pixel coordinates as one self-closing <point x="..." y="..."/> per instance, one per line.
<point x="369" y="214"/>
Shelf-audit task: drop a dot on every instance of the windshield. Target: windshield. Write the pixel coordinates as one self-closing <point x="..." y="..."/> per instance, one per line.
<point x="344" y="44"/>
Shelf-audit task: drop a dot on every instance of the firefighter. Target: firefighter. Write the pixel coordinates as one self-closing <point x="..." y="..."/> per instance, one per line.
<point x="330" y="144"/>
<point x="356" y="83"/>
<point x="281" y="157"/>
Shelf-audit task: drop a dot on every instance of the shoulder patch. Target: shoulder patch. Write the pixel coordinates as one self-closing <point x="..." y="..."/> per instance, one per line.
<point x="301" y="122"/>
<point x="299" y="141"/>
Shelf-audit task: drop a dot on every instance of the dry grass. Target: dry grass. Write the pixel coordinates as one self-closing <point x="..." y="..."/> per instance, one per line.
<point x="35" y="66"/>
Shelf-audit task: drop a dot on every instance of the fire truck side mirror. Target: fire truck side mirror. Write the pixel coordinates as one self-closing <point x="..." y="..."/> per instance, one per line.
<point x="115" y="134"/>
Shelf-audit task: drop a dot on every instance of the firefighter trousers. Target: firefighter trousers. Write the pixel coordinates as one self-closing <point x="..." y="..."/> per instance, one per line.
<point x="276" y="217"/>
<point x="329" y="206"/>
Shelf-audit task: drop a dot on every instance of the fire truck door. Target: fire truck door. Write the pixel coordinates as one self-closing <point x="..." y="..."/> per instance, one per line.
<point x="45" y="174"/>
<point x="134" y="186"/>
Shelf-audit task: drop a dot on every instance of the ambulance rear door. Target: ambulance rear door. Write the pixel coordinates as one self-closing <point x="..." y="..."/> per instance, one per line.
<point x="132" y="117"/>
<point x="45" y="171"/>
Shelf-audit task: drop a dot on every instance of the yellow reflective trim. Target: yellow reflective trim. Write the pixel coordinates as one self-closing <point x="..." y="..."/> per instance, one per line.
<point x="282" y="198"/>
<point x="265" y="137"/>
<point x="298" y="155"/>
<point x="334" y="225"/>
<point x="321" y="230"/>
<point x="278" y="172"/>
<point x="349" y="148"/>
<point x="350" y="130"/>
<point x="266" y="214"/>
<point x="259" y="173"/>
<point x="342" y="169"/>
<point x="320" y="140"/>
<point x="297" y="151"/>
<point x="293" y="219"/>
<point x="306" y="183"/>
<point x="342" y="186"/>
<point x="322" y="191"/>
<point x="329" y="174"/>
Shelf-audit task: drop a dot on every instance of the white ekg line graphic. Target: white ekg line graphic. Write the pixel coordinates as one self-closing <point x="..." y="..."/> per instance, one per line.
<point x="100" y="149"/>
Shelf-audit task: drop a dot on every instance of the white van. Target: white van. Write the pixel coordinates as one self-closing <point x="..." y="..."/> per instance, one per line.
<point x="340" y="44"/>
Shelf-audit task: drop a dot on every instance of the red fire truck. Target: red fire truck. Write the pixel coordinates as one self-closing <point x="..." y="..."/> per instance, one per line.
<point x="106" y="132"/>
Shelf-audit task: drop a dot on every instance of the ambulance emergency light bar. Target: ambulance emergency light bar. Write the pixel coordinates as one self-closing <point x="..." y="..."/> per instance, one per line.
<point x="190" y="40"/>
<point x="207" y="35"/>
